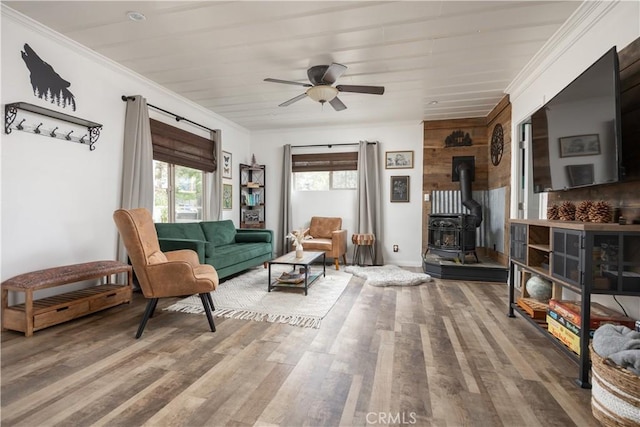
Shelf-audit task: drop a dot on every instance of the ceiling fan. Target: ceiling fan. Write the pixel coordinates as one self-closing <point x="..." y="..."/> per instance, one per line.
<point x="321" y="89"/>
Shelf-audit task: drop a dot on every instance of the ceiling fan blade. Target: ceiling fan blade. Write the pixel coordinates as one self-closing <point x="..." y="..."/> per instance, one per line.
<point x="332" y="74"/>
<point x="288" y="82"/>
<point x="373" y="90"/>
<point x="292" y="100"/>
<point x="337" y="104"/>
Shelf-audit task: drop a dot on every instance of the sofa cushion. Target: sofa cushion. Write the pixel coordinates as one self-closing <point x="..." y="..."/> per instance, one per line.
<point x="227" y="255"/>
<point x="323" y="226"/>
<point x="317" y="245"/>
<point x="187" y="230"/>
<point x="219" y="233"/>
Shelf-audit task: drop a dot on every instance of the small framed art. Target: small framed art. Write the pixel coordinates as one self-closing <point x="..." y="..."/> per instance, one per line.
<point x="398" y="159"/>
<point x="226" y="165"/>
<point x="399" y="188"/>
<point x="227" y="197"/>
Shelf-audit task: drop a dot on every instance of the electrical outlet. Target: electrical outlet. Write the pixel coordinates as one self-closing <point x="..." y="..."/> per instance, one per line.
<point x="395" y="248"/>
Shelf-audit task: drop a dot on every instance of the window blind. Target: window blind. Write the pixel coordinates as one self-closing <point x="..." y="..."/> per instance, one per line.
<point x="324" y="162"/>
<point x="179" y="147"/>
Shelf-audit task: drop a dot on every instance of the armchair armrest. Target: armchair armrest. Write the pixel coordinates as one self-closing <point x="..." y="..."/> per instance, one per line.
<point x="186" y="255"/>
<point x="170" y="244"/>
<point x="339" y="240"/>
<point x="244" y="235"/>
<point x="173" y="278"/>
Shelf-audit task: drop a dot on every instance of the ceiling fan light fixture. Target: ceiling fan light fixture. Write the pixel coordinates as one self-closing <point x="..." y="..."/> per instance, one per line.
<point x="322" y="93"/>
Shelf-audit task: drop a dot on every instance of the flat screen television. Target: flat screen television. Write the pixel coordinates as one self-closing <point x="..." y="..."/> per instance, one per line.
<point x="576" y="136"/>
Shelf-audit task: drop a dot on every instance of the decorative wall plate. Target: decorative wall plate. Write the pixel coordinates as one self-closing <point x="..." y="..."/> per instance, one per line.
<point x="497" y="144"/>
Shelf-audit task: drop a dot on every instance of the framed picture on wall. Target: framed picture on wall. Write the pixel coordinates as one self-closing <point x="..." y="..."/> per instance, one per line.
<point x="226" y="165"/>
<point x="580" y="145"/>
<point x="398" y="160"/>
<point x="399" y="188"/>
<point x="227" y="196"/>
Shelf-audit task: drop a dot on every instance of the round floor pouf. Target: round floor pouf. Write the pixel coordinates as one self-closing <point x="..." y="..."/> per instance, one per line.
<point x="615" y="393"/>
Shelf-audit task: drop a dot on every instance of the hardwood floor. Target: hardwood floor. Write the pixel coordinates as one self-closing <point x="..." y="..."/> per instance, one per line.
<point x="440" y="354"/>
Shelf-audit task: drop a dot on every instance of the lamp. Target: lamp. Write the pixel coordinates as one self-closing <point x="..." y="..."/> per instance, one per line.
<point x="322" y="93"/>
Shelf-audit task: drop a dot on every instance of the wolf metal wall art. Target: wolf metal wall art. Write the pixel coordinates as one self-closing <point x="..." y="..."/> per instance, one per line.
<point x="46" y="83"/>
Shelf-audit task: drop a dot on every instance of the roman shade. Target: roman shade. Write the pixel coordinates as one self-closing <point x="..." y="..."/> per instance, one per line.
<point x="179" y="147"/>
<point x="325" y="162"/>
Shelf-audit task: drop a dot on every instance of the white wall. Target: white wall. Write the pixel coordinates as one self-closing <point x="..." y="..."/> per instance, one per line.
<point x="604" y="25"/>
<point x="58" y="197"/>
<point x="402" y="221"/>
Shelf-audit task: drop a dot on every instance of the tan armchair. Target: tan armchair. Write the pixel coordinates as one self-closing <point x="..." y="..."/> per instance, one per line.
<point x="161" y="275"/>
<point x="329" y="237"/>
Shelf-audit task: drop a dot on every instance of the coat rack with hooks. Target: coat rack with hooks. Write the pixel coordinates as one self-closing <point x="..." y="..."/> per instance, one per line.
<point x="11" y="112"/>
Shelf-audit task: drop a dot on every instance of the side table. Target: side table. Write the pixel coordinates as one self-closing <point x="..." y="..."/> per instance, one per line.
<point x="359" y="242"/>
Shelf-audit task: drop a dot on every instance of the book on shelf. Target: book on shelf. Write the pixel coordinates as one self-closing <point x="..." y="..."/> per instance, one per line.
<point x="570" y="326"/>
<point x="564" y="335"/>
<point x="600" y="314"/>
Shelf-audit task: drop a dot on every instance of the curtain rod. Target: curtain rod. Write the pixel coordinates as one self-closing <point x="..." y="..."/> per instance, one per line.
<point x="330" y="145"/>
<point x="178" y="118"/>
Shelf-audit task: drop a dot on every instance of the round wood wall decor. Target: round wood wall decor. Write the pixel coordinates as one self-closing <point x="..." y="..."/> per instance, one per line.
<point x="497" y="144"/>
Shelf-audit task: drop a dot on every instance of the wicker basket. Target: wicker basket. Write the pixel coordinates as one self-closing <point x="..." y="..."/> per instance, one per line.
<point x="615" y="393"/>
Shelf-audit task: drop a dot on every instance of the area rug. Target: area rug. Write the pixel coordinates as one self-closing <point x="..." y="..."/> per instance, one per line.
<point x="388" y="275"/>
<point x="246" y="297"/>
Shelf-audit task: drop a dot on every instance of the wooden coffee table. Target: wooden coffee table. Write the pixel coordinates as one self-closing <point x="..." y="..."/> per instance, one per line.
<point x="305" y="269"/>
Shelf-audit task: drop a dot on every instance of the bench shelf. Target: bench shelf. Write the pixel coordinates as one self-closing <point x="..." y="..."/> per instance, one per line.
<point x="33" y="315"/>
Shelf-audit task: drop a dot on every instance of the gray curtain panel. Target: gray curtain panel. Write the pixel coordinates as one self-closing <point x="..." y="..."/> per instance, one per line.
<point x="286" y="198"/>
<point x="213" y="199"/>
<point x="137" y="161"/>
<point x="369" y="210"/>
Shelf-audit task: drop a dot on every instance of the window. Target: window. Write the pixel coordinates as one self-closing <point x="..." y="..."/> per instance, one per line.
<point x="178" y="193"/>
<point x="326" y="171"/>
<point x="180" y="162"/>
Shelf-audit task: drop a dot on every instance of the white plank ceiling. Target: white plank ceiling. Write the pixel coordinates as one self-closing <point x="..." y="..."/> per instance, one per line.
<point x="462" y="54"/>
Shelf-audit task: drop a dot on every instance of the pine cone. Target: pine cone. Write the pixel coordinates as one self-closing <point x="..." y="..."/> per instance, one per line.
<point x="567" y="211"/>
<point x="552" y="212"/>
<point x="582" y="210"/>
<point x="600" y="212"/>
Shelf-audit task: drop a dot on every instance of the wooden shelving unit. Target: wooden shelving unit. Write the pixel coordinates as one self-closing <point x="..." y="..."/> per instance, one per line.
<point x="586" y="258"/>
<point x="252" y="196"/>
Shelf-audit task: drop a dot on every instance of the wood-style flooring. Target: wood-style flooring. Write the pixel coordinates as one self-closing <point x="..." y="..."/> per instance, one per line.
<point x="439" y="354"/>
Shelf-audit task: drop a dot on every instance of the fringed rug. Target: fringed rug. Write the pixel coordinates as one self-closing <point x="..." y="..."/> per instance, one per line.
<point x="246" y="297"/>
<point x="388" y="275"/>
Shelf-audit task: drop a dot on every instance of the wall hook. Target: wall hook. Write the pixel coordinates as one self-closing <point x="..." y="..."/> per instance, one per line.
<point x="53" y="132"/>
<point x="82" y="139"/>
<point x="68" y="137"/>
<point x="20" y="127"/>
<point x="37" y="129"/>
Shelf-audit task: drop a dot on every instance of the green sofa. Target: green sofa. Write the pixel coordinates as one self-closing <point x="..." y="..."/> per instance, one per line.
<point x="219" y="243"/>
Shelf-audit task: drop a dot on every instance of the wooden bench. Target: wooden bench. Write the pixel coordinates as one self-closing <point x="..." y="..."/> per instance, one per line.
<point x="38" y="314"/>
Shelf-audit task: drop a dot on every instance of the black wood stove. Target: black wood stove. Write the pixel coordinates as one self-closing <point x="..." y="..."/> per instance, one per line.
<point x="452" y="235"/>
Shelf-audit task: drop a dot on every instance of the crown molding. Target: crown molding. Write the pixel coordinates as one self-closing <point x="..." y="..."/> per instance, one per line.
<point x="584" y="17"/>
<point x="66" y="42"/>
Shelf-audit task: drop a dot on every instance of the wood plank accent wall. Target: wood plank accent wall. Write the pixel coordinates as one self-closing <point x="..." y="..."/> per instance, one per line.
<point x="500" y="176"/>
<point x="623" y="195"/>
<point x="437" y="161"/>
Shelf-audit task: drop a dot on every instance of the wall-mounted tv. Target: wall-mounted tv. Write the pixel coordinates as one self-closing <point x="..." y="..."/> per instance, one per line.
<point x="576" y="137"/>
